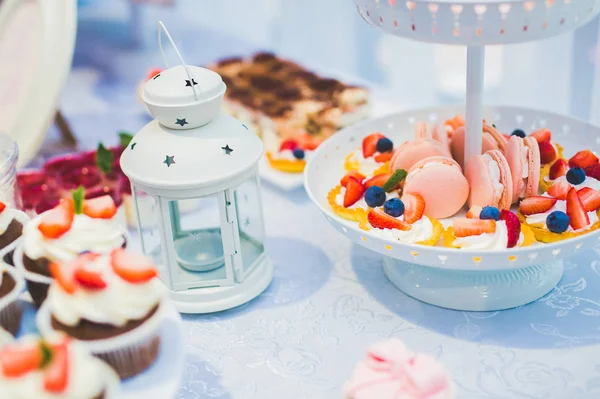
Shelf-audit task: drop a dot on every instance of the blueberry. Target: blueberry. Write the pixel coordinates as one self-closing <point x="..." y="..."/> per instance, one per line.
<point x="490" y="212"/>
<point x="375" y="196"/>
<point x="575" y="176"/>
<point x="298" y="153"/>
<point x="519" y="133"/>
<point x="394" y="207"/>
<point x="384" y="145"/>
<point x="557" y="222"/>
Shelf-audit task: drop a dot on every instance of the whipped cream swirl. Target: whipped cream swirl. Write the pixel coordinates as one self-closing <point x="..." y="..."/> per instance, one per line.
<point x="494" y="172"/>
<point x="366" y="166"/>
<point x="421" y="230"/>
<point x="495" y="240"/>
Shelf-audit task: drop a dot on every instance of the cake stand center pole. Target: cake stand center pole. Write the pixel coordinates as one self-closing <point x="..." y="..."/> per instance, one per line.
<point x="474" y="111"/>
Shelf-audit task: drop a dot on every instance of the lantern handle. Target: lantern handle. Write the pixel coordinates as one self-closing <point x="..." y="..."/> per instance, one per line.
<point x="163" y="28"/>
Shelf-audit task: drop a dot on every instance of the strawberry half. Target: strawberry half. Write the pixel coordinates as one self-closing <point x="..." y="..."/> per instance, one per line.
<point x="2" y="206"/>
<point x="358" y="176"/>
<point x="583" y="159"/>
<point x="474" y="212"/>
<point x="384" y="156"/>
<point x="593" y="171"/>
<point x="57" y="221"/>
<point x="85" y="275"/>
<point x="369" y="144"/>
<point x="132" y="267"/>
<point x="378" y="180"/>
<point x="590" y="199"/>
<point x="575" y="211"/>
<point x="100" y="208"/>
<point x="381" y="220"/>
<point x="414" y="207"/>
<point x="533" y="205"/>
<point x="289" y="144"/>
<point x="354" y="192"/>
<point x="513" y="227"/>
<point x="464" y="227"/>
<point x="542" y="135"/>
<point x="18" y="359"/>
<point x="63" y="275"/>
<point x="548" y="152"/>
<point x="559" y="190"/>
<point x="56" y="375"/>
<point x="558" y="169"/>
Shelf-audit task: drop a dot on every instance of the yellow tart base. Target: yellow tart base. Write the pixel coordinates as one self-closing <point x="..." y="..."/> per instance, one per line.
<point x="353" y="214"/>
<point x="286" y="165"/>
<point x="351" y="163"/>
<point x="543" y="235"/>
<point x="528" y="236"/>
<point x="438" y="230"/>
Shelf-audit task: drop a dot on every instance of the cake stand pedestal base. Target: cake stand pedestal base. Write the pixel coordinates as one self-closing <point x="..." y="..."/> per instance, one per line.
<point x="473" y="290"/>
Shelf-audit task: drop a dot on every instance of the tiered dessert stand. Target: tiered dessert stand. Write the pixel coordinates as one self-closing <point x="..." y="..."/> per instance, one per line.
<point x="446" y="277"/>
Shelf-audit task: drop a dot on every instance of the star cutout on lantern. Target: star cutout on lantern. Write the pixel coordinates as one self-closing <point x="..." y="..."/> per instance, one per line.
<point x="181" y="122"/>
<point x="227" y="150"/>
<point x="190" y="83"/>
<point x="247" y="222"/>
<point x="169" y="160"/>
<point x="133" y="145"/>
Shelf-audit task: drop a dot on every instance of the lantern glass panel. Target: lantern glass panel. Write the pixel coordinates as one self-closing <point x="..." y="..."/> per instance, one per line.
<point x="148" y="219"/>
<point x="250" y="224"/>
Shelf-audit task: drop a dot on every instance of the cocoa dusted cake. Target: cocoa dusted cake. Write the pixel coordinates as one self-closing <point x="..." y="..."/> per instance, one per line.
<point x="11" y="286"/>
<point x="56" y="368"/>
<point x="113" y="303"/>
<point x="11" y="229"/>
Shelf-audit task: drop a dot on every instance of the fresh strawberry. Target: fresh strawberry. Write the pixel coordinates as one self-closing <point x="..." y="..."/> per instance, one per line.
<point x="384" y="156"/>
<point x="56" y="374"/>
<point x="57" y="221"/>
<point x="132" y="267"/>
<point x="18" y="359"/>
<point x="289" y="144"/>
<point x="559" y="190"/>
<point x="542" y="135"/>
<point x="474" y="212"/>
<point x="558" y="169"/>
<point x="414" y="207"/>
<point x="575" y="211"/>
<point x="2" y="206"/>
<point x="369" y="144"/>
<point x="590" y="198"/>
<point x="464" y="227"/>
<point x="308" y="142"/>
<point x="548" y="152"/>
<point x="358" y="176"/>
<point x="85" y="275"/>
<point x="63" y="276"/>
<point x="354" y="192"/>
<point x="378" y="180"/>
<point x="153" y="72"/>
<point x="381" y="220"/>
<point x="593" y="171"/>
<point x="533" y="205"/>
<point x="513" y="227"/>
<point x="583" y="159"/>
<point x="100" y="208"/>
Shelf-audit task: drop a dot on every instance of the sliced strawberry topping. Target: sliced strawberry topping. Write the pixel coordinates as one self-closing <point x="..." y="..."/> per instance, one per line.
<point x="153" y="72"/>
<point x="474" y="212"/>
<point x="85" y="275"/>
<point x="18" y="359"/>
<point x="513" y="227"/>
<point x="542" y="135"/>
<point x="590" y="199"/>
<point x="63" y="274"/>
<point x="289" y="144"/>
<point x="381" y="220"/>
<point x="414" y="207"/>
<point x="2" y="206"/>
<point x="132" y="267"/>
<point x="593" y="171"/>
<point x="100" y="208"/>
<point x="558" y="169"/>
<point x="308" y="142"/>
<point x="57" y="221"/>
<point x="583" y="159"/>
<point x="575" y="211"/>
<point x="358" y="176"/>
<point x="354" y="192"/>
<point x="369" y="144"/>
<point x="464" y="227"/>
<point x="384" y="156"/>
<point x="533" y="205"/>
<point x="559" y="190"/>
<point x="56" y="375"/>
<point x="378" y="180"/>
<point x="548" y="152"/>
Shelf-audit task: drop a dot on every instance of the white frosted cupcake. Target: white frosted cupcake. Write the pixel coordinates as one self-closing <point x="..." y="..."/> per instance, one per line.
<point x="11" y="286"/>
<point x="57" y="368"/>
<point x="12" y="222"/>
<point x="113" y="303"/>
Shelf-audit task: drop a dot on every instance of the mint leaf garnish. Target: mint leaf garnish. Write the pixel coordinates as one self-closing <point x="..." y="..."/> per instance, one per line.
<point x="125" y="138"/>
<point x="104" y="159"/>
<point x="46" y="354"/>
<point x="395" y="179"/>
<point x="78" y="197"/>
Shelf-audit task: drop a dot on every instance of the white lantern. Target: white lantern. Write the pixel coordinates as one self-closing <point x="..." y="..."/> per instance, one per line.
<point x="194" y="175"/>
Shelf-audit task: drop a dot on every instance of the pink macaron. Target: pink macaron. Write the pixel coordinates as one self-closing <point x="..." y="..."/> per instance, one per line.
<point x="523" y="156"/>
<point x="439" y="180"/>
<point x="490" y="179"/>
<point x="411" y="152"/>
<point x="491" y="140"/>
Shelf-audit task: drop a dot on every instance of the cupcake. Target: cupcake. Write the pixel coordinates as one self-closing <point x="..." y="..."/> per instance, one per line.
<point x="11" y="286"/>
<point x="12" y="222"/>
<point x="391" y="371"/>
<point x="54" y="368"/>
<point x="113" y="303"/>
<point x="74" y="226"/>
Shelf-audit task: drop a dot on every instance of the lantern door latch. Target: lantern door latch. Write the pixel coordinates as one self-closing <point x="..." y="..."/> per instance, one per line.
<point x="231" y="237"/>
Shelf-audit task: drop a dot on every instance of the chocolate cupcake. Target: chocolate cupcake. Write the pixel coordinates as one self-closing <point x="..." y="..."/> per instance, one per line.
<point x="11" y="286"/>
<point x="57" y="367"/>
<point x="12" y="222"/>
<point x="114" y="304"/>
<point x="62" y="233"/>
